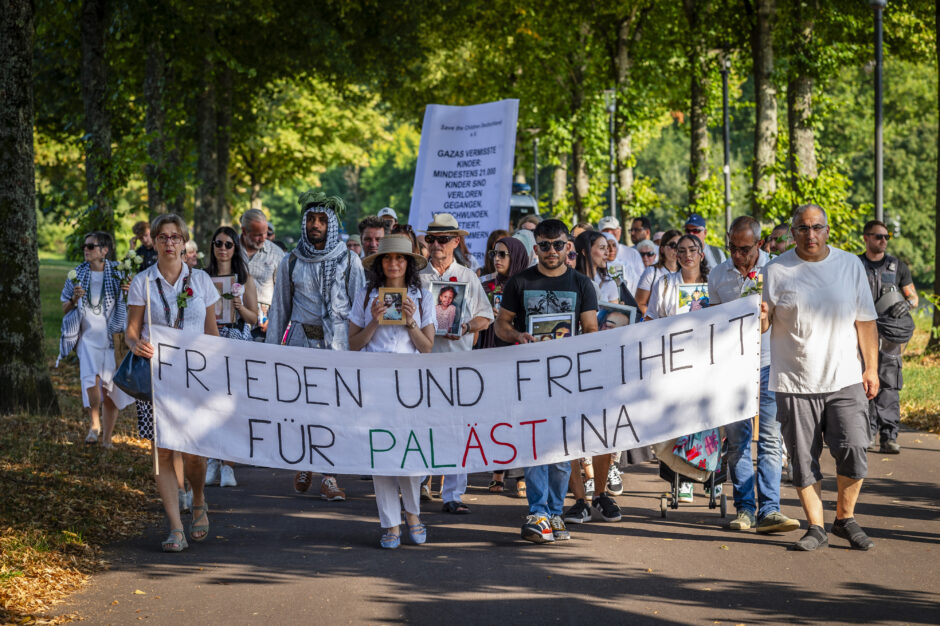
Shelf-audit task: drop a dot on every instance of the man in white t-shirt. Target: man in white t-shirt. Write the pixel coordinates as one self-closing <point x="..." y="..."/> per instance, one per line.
<point x="823" y="369"/>
<point x="476" y="314"/>
<point x="628" y="257"/>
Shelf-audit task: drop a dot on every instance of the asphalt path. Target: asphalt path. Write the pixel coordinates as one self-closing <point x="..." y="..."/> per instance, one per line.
<point x="277" y="557"/>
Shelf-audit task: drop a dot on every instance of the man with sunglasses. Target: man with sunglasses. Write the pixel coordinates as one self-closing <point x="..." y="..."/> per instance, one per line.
<point x="549" y="287"/>
<point x="726" y="283"/>
<point x="695" y="225"/>
<point x="823" y="370"/>
<point x="893" y="291"/>
<point x="442" y="237"/>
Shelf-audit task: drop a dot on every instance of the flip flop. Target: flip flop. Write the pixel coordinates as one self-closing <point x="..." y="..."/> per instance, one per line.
<point x="496" y="486"/>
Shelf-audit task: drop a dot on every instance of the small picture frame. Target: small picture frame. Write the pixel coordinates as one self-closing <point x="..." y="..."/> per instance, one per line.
<point x="224" y="311"/>
<point x="394" y="299"/>
<point x="692" y="297"/>
<point x="613" y="315"/>
<point x="551" y="326"/>
<point x="615" y="270"/>
<point x="448" y="299"/>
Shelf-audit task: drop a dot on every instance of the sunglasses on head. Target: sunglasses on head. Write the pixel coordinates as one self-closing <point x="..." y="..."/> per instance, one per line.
<point x="880" y="236"/>
<point x="438" y="238"/>
<point x="498" y="254"/>
<point x="558" y="245"/>
<point x="228" y="245"/>
<point x="91" y="246"/>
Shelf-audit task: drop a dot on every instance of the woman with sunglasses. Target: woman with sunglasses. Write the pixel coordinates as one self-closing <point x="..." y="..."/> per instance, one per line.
<point x="507" y="257"/>
<point x="182" y="298"/>
<point x="394" y="265"/>
<point x="666" y="264"/>
<point x="94" y="309"/>
<point x="227" y="259"/>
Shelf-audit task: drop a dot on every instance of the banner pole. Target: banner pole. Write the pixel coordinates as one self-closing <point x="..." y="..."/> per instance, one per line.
<point x="153" y="404"/>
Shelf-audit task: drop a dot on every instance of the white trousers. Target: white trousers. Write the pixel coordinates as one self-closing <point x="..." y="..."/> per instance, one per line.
<point x="386" y="497"/>
<point x="454" y="486"/>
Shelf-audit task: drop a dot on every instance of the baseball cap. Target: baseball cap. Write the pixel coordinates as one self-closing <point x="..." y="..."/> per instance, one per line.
<point x="608" y="222"/>
<point x="388" y="211"/>
<point x="695" y="220"/>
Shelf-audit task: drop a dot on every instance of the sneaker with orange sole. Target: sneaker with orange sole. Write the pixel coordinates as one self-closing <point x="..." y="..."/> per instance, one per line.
<point x="302" y="481"/>
<point x="330" y="491"/>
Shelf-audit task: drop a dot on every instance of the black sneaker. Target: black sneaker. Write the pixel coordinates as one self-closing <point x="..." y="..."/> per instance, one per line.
<point x="814" y="538"/>
<point x="537" y="529"/>
<point x="605" y="508"/>
<point x="578" y="514"/>
<point x="614" y="482"/>
<point x="850" y="530"/>
<point x="890" y="447"/>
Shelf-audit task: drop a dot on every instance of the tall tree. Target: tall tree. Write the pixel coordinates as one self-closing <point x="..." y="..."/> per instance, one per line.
<point x="933" y="344"/>
<point x="155" y="123"/>
<point x="94" y="82"/>
<point x="696" y="13"/>
<point x="802" y="146"/>
<point x="206" y="215"/>
<point x="24" y="377"/>
<point x="765" y="100"/>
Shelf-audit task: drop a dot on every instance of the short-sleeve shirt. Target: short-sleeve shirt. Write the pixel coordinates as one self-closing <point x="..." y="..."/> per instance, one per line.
<point x="475" y="302"/>
<point x="650" y="274"/>
<point x="725" y="284"/>
<point x="813" y="307"/>
<point x="262" y="265"/>
<point x="194" y="313"/>
<point x="632" y="266"/>
<point x="530" y="292"/>
<point x="391" y="337"/>
<point x="903" y="274"/>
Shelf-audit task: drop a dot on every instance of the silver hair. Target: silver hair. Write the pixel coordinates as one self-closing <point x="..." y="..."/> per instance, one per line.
<point x="253" y="215"/>
<point x="169" y="218"/>
<point x="800" y="210"/>
<point x="745" y="222"/>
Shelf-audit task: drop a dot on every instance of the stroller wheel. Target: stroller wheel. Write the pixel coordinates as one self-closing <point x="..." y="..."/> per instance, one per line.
<point x="724" y="505"/>
<point x="662" y="506"/>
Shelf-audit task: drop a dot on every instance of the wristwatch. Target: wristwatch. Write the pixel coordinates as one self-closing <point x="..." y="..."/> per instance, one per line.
<point x="412" y="324"/>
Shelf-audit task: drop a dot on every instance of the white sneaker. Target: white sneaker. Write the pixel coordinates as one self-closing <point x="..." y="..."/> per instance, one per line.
<point x="212" y="472"/>
<point x="228" y="476"/>
<point x="685" y="492"/>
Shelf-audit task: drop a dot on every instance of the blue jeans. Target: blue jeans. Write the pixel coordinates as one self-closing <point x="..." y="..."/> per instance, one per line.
<point x="546" y="486"/>
<point x="769" y="456"/>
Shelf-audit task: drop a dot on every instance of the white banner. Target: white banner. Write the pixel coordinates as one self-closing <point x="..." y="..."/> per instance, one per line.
<point x="465" y="168"/>
<point x="485" y="410"/>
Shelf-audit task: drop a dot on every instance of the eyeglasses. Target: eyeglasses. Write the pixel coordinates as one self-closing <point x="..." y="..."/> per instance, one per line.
<point x="91" y="246"/>
<point x="740" y="250"/>
<point x="804" y="229"/>
<point x="498" y="254"/>
<point x="878" y="236"/>
<point x="174" y="239"/>
<point x="649" y="254"/>
<point x="672" y="245"/>
<point x="636" y="229"/>
<point x="228" y="245"/>
<point x="441" y="239"/>
<point x="689" y="230"/>
<point x="558" y="245"/>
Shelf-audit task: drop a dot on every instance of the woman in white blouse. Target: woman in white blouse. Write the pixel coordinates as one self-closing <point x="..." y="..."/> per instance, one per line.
<point x="394" y="265"/>
<point x="693" y="268"/>
<point x="591" y="247"/>
<point x="183" y="298"/>
<point x="666" y="264"/>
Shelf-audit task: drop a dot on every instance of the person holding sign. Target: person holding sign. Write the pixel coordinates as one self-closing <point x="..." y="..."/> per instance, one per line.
<point x="313" y="291"/>
<point x="442" y="237"/>
<point x="394" y="266"/>
<point x="549" y="287"/>
<point x="181" y="298"/>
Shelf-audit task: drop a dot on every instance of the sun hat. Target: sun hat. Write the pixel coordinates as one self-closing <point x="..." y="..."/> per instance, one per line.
<point x="445" y="223"/>
<point x="608" y="222"/>
<point x="395" y="244"/>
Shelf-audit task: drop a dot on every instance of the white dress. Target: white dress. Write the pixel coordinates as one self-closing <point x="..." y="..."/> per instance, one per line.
<point x="95" y="356"/>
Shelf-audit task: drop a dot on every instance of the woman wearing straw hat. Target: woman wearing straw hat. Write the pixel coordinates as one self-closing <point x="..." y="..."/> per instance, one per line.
<point x="395" y="265"/>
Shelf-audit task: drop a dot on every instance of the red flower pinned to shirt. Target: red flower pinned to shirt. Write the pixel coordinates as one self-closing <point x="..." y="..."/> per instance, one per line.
<point x="453" y="279"/>
<point x="752" y="275"/>
<point x="189" y="292"/>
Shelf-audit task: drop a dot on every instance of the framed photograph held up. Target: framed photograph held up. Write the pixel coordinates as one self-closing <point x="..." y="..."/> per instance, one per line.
<point x="448" y="301"/>
<point x="692" y="297"/>
<point x="393" y="298"/>
<point x="612" y="315"/>
<point x="224" y="311"/>
<point x="550" y="326"/>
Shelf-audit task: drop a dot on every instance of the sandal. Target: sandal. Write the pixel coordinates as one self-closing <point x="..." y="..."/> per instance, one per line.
<point x="458" y="508"/>
<point x="418" y="533"/>
<point x="199" y="528"/>
<point x="175" y="541"/>
<point x="496" y="486"/>
<point x="520" y="489"/>
<point x="92" y="436"/>
<point x="390" y="541"/>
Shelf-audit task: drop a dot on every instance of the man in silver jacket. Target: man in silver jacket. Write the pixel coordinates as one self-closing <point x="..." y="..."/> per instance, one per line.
<point x="313" y="290"/>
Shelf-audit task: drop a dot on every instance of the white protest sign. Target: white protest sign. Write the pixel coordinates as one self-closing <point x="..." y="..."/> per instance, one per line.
<point x="485" y="410"/>
<point x="465" y="168"/>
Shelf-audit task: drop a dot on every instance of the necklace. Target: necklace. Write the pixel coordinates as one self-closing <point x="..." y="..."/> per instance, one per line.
<point x="96" y="306"/>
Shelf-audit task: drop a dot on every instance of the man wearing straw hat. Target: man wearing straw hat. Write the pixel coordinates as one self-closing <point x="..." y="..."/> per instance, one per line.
<point x="313" y="292"/>
<point x="442" y="237"/>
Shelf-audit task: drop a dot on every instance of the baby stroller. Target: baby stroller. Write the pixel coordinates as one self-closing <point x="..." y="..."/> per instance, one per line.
<point x="675" y="470"/>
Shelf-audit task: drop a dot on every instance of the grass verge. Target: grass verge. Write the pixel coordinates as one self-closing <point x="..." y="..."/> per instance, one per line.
<point x="920" y="397"/>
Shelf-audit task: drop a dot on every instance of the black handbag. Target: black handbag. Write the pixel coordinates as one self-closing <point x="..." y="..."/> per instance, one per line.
<point x="133" y="377"/>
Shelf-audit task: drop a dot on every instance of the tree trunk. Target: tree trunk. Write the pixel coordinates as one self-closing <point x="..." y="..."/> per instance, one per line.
<point x="155" y="125"/>
<point x="560" y="181"/>
<point x="94" y="25"/>
<point x="695" y="11"/>
<point x="802" y="152"/>
<point x="581" y="186"/>
<point x="206" y="214"/>
<point x="765" y="101"/>
<point x="628" y="30"/>
<point x="24" y="377"/>
<point x="223" y="137"/>
<point x="255" y="194"/>
<point x="933" y="343"/>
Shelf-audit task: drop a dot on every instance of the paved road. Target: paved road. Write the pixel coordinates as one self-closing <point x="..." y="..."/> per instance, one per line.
<point x="277" y="557"/>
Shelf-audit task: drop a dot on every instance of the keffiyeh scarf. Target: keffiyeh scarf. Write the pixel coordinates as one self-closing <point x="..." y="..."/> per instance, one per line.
<point x="114" y="310"/>
<point x="327" y="257"/>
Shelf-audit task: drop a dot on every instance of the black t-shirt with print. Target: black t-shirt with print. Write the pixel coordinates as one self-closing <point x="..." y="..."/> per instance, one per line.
<point x="530" y="293"/>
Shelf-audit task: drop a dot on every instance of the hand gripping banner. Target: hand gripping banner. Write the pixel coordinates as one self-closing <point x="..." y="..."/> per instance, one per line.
<point x="485" y="410"/>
